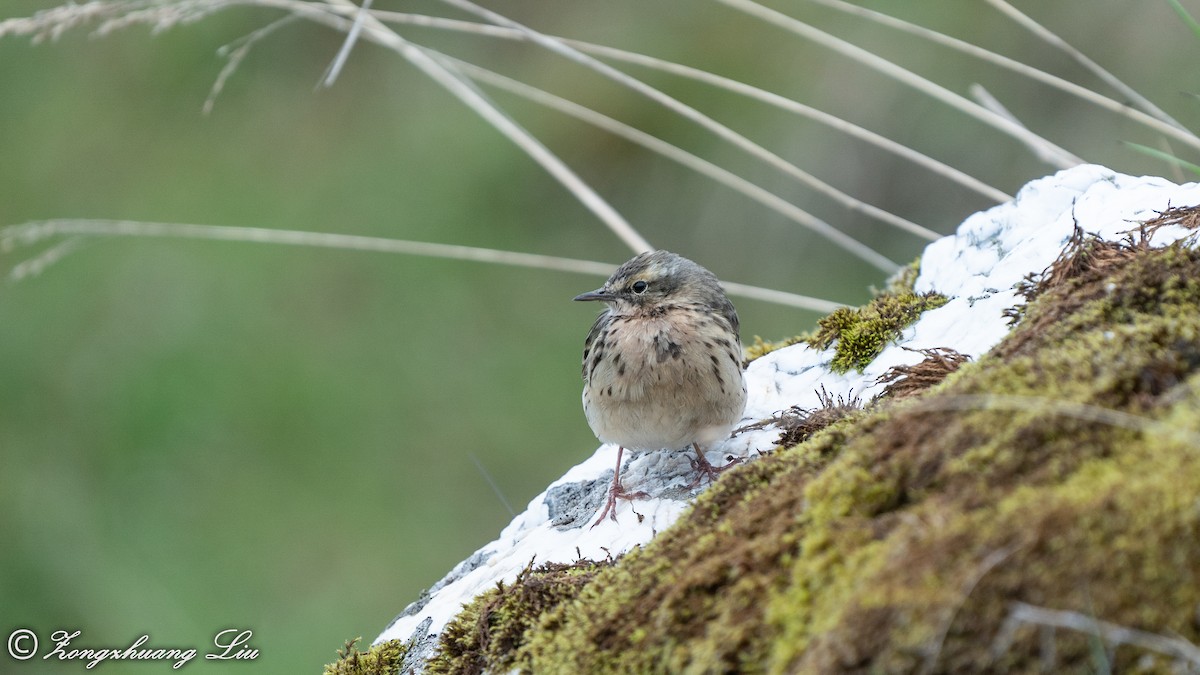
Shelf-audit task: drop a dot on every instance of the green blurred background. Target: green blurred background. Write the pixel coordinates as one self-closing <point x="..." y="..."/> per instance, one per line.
<point x="197" y="436"/>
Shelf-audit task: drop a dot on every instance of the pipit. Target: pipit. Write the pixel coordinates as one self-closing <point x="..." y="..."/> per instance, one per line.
<point x="662" y="366"/>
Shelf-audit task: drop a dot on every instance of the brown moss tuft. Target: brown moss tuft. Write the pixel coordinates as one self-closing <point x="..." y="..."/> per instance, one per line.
<point x="1128" y="278"/>
<point x="487" y="634"/>
<point x="382" y="659"/>
<point x="1087" y="256"/>
<point x="798" y="424"/>
<point x="905" y="381"/>
<point x="1182" y="216"/>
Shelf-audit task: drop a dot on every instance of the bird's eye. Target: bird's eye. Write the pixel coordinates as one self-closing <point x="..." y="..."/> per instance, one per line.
<point x="639" y="287"/>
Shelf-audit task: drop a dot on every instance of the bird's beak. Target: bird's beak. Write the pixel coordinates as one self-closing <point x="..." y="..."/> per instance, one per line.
<point x="598" y="294"/>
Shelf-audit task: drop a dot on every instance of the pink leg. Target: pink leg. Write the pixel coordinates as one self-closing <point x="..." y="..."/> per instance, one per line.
<point x="616" y="492"/>
<point x="705" y="470"/>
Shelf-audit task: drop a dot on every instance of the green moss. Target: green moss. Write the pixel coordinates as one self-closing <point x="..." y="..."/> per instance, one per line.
<point x="864" y="329"/>
<point x="489" y="630"/>
<point x="861" y="334"/>
<point x="762" y="347"/>
<point x="904" y="279"/>
<point x="382" y="659"/>
<point x="1086" y="515"/>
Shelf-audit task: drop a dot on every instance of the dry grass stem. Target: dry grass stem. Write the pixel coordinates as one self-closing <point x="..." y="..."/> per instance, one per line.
<point x="1024" y="614"/>
<point x="32" y="233"/>
<point x="728" y="84"/>
<point x="1111" y="80"/>
<point x="989" y="562"/>
<point x="235" y="53"/>
<point x="674" y="153"/>
<point x="1062" y="158"/>
<point x="722" y="131"/>
<point x="470" y="96"/>
<point x="38" y="264"/>
<point x="989" y="102"/>
<point x="335" y="68"/>
<point x="1163" y="125"/>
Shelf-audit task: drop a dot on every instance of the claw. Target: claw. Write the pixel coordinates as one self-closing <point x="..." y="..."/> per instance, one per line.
<point x="610" y="507"/>
<point x="615" y="492"/>
<point x="705" y="470"/>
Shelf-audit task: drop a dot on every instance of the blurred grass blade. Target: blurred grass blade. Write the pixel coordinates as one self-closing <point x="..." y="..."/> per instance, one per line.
<point x="558" y="47"/>
<point x="335" y="68"/>
<point x="780" y="297"/>
<point x="697" y="164"/>
<point x="1063" y="158"/>
<point x="781" y="102"/>
<point x="487" y="476"/>
<point x="1082" y="59"/>
<point x="27" y="234"/>
<point x="1066" y="86"/>
<point x="985" y="99"/>
<point x="1186" y="17"/>
<point x="345" y="15"/>
<point x="1111" y="633"/>
<point x="38" y="264"/>
<point x="1164" y="156"/>
<point x="471" y="97"/>
<point x="235" y="52"/>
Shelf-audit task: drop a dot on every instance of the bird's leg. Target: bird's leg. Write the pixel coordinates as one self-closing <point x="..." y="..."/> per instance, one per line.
<point x="616" y="492"/>
<point x="705" y="470"/>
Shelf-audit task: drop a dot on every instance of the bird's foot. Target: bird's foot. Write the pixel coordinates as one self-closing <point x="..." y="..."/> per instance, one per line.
<point x="704" y="469"/>
<point x="610" y="507"/>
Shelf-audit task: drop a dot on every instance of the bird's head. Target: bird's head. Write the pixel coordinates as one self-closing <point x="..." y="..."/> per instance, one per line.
<point x="657" y="278"/>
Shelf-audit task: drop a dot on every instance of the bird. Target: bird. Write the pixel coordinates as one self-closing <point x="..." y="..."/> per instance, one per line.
<point x="662" y="365"/>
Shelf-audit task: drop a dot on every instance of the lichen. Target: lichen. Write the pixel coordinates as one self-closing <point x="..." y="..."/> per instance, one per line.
<point x="382" y="659"/>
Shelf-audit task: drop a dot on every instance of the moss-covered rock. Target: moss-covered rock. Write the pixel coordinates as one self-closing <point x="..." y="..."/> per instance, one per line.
<point x="489" y="631"/>
<point x="382" y="659"/>
<point x="1062" y="470"/>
